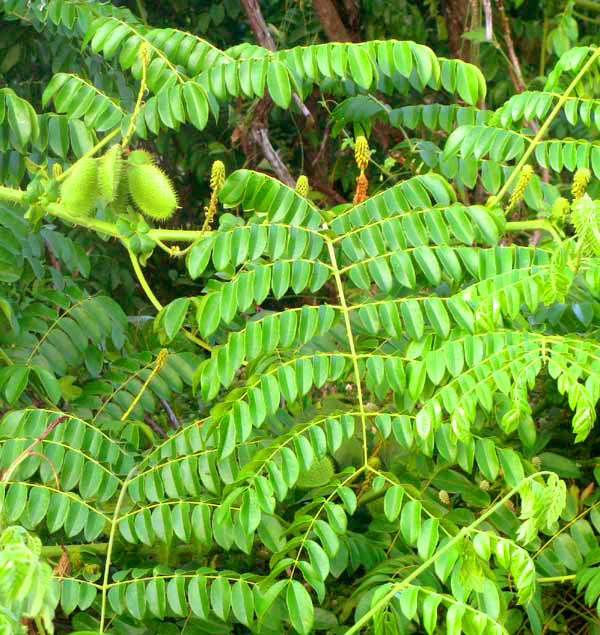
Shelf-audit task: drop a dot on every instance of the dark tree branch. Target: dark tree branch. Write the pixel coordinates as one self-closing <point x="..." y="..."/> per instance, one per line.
<point x="258" y="24"/>
<point x="172" y="417"/>
<point x="265" y="39"/>
<point x="514" y="60"/>
<point x="260" y="135"/>
<point x="489" y="24"/>
<point x="332" y="24"/>
<point x="159" y="431"/>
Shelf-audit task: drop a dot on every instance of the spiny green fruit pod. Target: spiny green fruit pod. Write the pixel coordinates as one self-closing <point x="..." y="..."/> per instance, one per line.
<point x="319" y="474"/>
<point x="140" y="157"/>
<point x="79" y="190"/>
<point x="109" y="173"/>
<point x="119" y="204"/>
<point x="152" y="191"/>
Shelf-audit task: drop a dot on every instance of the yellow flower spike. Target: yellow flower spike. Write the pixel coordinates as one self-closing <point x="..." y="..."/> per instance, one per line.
<point x="560" y="209"/>
<point x="217" y="178"/>
<point x="361" y="153"/>
<point x="580" y="182"/>
<point x="217" y="175"/>
<point x="522" y="183"/>
<point x="56" y="170"/>
<point x="302" y="186"/>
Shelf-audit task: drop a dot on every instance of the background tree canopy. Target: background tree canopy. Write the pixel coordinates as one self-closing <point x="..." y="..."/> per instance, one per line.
<point x="300" y="306"/>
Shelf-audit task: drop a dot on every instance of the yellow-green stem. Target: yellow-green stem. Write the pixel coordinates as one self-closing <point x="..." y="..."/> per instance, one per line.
<point x="140" y="97"/>
<point x="111" y="541"/>
<point x="350" y="336"/>
<point x="135" y="263"/>
<point x="13" y="195"/>
<point x="159" y="364"/>
<point x="154" y="300"/>
<point x="91" y="152"/>
<point x="556" y="578"/>
<point x="387" y="598"/>
<point x="529" y="225"/>
<point x="544" y="127"/>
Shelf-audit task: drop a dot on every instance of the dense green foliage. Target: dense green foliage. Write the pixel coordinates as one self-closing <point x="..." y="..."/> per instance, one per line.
<point x="337" y="407"/>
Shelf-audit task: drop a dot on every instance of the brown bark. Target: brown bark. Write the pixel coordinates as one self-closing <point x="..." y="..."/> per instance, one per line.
<point x="258" y="24"/>
<point x="456" y="14"/>
<point x="514" y="60"/>
<point x="332" y="24"/>
<point x="260" y="135"/>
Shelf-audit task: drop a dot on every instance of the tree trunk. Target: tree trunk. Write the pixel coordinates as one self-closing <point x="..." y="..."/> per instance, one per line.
<point x="456" y="14"/>
<point x="332" y="24"/>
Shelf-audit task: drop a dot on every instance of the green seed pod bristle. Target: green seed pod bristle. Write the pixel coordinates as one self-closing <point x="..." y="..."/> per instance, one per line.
<point x="319" y="474"/>
<point x="79" y="190"/>
<point x="152" y="191"/>
<point x="109" y="173"/>
<point x="140" y="157"/>
<point x="119" y="204"/>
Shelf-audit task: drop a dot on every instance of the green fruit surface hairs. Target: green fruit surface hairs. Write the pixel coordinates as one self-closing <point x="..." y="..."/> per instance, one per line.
<point x="79" y="190"/>
<point x="140" y="157"/>
<point x="152" y="191"/>
<point x="109" y="173"/>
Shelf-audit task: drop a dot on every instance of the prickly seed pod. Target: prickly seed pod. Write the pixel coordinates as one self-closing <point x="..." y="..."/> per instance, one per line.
<point x="302" y="186"/>
<point x="361" y="152"/>
<point x="580" y="182"/>
<point x="217" y="175"/>
<point x="319" y="474"/>
<point x="522" y="183"/>
<point x="121" y="199"/>
<point x="80" y="189"/>
<point x="152" y="191"/>
<point x="109" y="173"/>
<point x="140" y="157"/>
